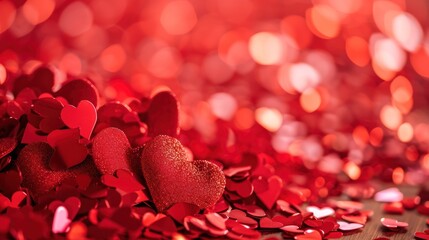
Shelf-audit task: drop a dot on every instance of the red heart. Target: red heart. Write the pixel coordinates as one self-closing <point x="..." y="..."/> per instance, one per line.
<point x="171" y="178"/>
<point x="112" y="151"/>
<point x="78" y="90"/>
<point x="45" y="114"/>
<point x="393" y="208"/>
<point x="422" y="235"/>
<point x="33" y="161"/>
<point x="163" y="115"/>
<point x="268" y="191"/>
<point x="180" y="210"/>
<point x="269" y="224"/>
<point x="392" y="223"/>
<point x="69" y="151"/>
<point x="309" y="234"/>
<point x="83" y="117"/>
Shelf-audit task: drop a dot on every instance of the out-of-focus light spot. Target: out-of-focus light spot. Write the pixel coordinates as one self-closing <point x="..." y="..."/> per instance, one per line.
<point x="7" y="15"/>
<point x="244" y="118"/>
<point x="388" y="55"/>
<point x="38" y="11"/>
<point x="75" y="19"/>
<point x="303" y="76"/>
<point x="310" y="100"/>
<point x="401" y="89"/>
<point x="331" y="164"/>
<point x="323" y="62"/>
<point x="3" y="74"/>
<point x="141" y="83"/>
<point x="311" y="149"/>
<point x="398" y="175"/>
<point x="269" y="118"/>
<point x="347" y="7"/>
<point x="223" y="105"/>
<point x="21" y="26"/>
<point x="296" y="27"/>
<point x="71" y="64"/>
<point x="382" y="10"/>
<point x="357" y="51"/>
<point x="236" y="11"/>
<point x="424" y="162"/>
<point x="234" y="50"/>
<point x="405" y="132"/>
<point x="108" y="12"/>
<point x="178" y="17"/>
<point x="266" y="48"/>
<point x="391" y="117"/>
<point x="360" y="136"/>
<point x="216" y="70"/>
<point x="419" y="61"/>
<point x="113" y="58"/>
<point x="412" y="153"/>
<point x="352" y="170"/>
<point x="324" y="21"/>
<point x="165" y="63"/>
<point x="407" y="31"/>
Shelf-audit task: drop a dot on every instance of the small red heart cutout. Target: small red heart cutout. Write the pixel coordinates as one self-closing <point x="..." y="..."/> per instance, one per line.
<point x="422" y="235"/>
<point x="84" y="117"/>
<point x="310" y="234"/>
<point x="171" y="178"/>
<point x="77" y="90"/>
<point x="268" y="190"/>
<point x="392" y="223"/>
<point x="163" y="115"/>
<point x="69" y="151"/>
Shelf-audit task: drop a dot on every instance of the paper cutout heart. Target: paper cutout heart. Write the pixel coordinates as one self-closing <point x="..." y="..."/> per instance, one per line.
<point x="84" y="117"/>
<point x="389" y="195"/>
<point x="180" y="210"/>
<point x="7" y="145"/>
<point x="393" y="208"/>
<point x="422" y="235"/>
<point x="361" y="219"/>
<point x="69" y="151"/>
<point x="345" y="226"/>
<point x="61" y="220"/>
<point x="320" y="212"/>
<point x="393" y="223"/>
<point x="267" y="223"/>
<point x="163" y="115"/>
<point x="45" y="114"/>
<point x="72" y="204"/>
<point x="112" y="151"/>
<point x="268" y="191"/>
<point x="33" y="161"/>
<point x="292" y="229"/>
<point x="171" y="178"/>
<point x="309" y="234"/>
<point x="78" y="90"/>
<point x="41" y="80"/>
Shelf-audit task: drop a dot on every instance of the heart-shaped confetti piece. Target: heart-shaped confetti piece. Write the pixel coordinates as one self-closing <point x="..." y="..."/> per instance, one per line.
<point x="171" y="178"/>
<point x="268" y="190"/>
<point x="69" y="151"/>
<point x="320" y="212"/>
<point x="422" y="235"/>
<point x="345" y="226"/>
<point x="393" y="223"/>
<point x="163" y="115"/>
<point x="309" y="234"/>
<point x="389" y="195"/>
<point x="84" y="117"/>
<point x="61" y="220"/>
<point x="77" y="90"/>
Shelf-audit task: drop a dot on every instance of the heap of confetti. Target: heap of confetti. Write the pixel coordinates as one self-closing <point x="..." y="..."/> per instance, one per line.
<point x="221" y="118"/>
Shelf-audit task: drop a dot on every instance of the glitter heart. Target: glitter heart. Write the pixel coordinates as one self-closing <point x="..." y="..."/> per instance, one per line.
<point x="171" y="178"/>
<point x="84" y="117"/>
<point x="33" y="161"/>
<point x="61" y="220"/>
<point x="111" y="151"/>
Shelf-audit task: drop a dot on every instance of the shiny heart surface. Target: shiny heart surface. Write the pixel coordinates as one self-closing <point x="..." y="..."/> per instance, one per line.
<point x="171" y="178"/>
<point x="84" y="117"/>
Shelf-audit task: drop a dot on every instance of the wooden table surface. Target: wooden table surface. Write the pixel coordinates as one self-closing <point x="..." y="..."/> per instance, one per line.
<point x="374" y="229"/>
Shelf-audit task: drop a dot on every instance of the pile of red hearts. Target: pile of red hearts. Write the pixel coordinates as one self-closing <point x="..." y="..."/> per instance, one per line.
<point x="71" y="166"/>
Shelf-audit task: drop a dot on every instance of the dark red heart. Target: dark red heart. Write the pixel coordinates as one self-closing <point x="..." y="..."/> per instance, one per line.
<point x="69" y="151"/>
<point x="112" y="151"/>
<point x="172" y="178"/>
<point x="163" y="115"/>
<point x="268" y="190"/>
<point x="33" y="161"/>
<point x="77" y="90"/>
<point x="84" y="117"/>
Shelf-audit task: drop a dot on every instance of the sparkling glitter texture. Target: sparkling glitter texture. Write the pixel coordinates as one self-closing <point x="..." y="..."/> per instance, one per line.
<point x="172" y="178"/>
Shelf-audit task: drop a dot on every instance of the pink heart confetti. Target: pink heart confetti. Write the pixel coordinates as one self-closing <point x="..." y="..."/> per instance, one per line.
<point x="389" y="195"/>
<point x="320" y="212"/>
<point x="61" y="220"/>
<point x="345" y="226"/>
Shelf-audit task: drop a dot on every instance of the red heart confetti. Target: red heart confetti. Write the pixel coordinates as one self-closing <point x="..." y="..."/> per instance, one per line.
<point x="393" y="223"/>
<point x="163" y="115"/>
<point x="171" y="178"/>
<point x="309" y="234"/>
<point x="69" y="151"/>
<point x="79" y="90"/>
<point x="422" y="235"/>
<point x="84" y="117"/>
<point x="344" y="226"/>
